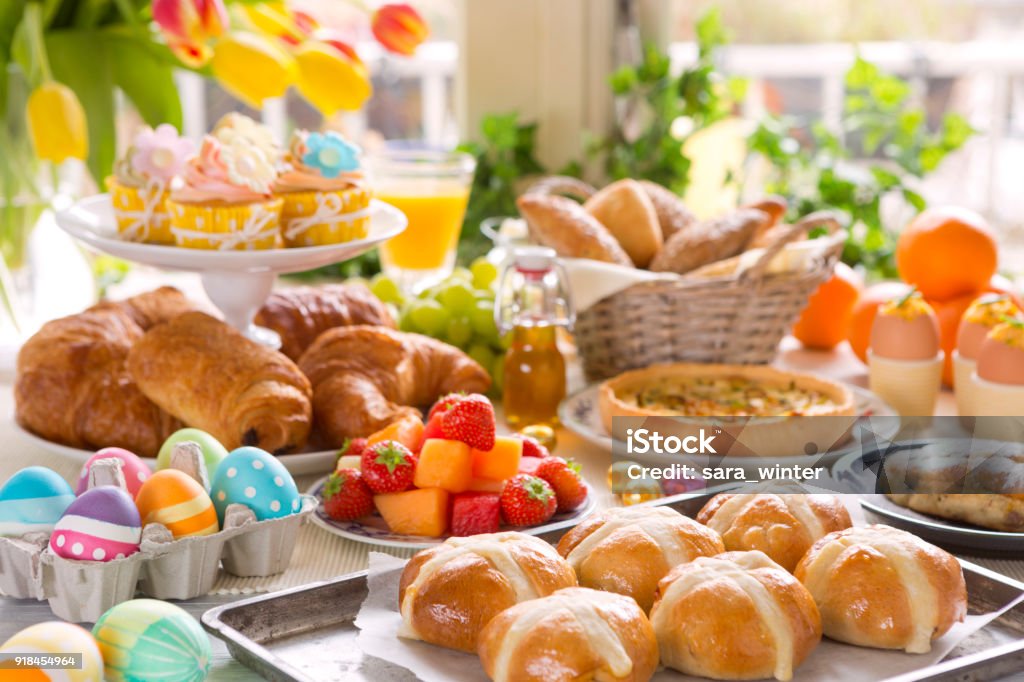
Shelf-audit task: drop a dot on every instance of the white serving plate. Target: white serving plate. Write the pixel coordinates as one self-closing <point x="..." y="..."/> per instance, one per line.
<point x="373" y="531"/>
<point x="298" y="464"/>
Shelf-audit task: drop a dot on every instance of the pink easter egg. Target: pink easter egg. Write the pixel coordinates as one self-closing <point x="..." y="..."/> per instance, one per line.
<point x="102" y="524"/>
<point x="135" y="470"/>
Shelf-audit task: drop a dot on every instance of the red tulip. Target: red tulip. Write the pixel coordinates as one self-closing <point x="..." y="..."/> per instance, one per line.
<point x="188" y="25"/>
<point x="399" y="28"/>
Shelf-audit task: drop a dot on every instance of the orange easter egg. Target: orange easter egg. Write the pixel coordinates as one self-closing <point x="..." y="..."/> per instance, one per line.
<point x="174" y="499"/>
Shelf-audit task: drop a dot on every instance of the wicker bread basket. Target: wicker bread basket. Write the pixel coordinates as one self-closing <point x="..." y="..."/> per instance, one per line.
<point x="721" y="313"/>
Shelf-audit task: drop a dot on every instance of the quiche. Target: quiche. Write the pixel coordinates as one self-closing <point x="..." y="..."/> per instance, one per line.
<point x="722" y="394"/>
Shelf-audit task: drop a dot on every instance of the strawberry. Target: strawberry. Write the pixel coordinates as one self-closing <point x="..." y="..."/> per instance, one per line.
<point x="470" y="420"/>
<point x="527" y="501"/>
<point x="346" y="496"/>
<point x="388" y="467"/>
<point x="565" y="478"/>
<point x="474" y="513"/>
<point x="433" y="428"/>
<point x="532" y="447"/>
<point x="351" y="446"/>
<point x="443" y="403"/>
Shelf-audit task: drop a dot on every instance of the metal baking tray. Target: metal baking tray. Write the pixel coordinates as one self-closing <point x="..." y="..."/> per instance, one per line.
<point x="308" y="633"/>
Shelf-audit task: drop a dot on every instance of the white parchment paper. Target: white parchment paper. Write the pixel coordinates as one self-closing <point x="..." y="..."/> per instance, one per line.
<point x="379" y="620"/>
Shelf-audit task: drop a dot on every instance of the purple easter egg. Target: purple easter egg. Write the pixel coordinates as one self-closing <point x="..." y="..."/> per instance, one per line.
<point x="135" y="470"/>
<point x="102" y="524"/>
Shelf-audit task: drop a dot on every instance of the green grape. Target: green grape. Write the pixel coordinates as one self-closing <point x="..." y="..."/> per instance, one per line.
<point x="385" y="288"/>
<point x="484" y="273"/>
<point x="498" y="373"/>
<point x="429" y="316"/>
<point x="405" y="322"/>
<point x="429" y="292"/>
<point x="482" y="318"/>
<point x="459" y="331"/>
<point x="458" y="298"/>
<point x="460" y="274"/>
<point x="484" y="295"/>
<point x="482" y="353"/>
<point x="505" y="342"/>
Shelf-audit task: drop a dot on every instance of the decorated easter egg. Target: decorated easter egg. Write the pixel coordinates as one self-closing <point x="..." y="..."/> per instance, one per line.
<point x="256" y="479"/>
<point x="56" y="638"/>
<point x="146" y="639"/>
<point x="102" y="524"/>
<point x="134" y="469"/>
<point x="33" y="499"/>
<point x="174" y="499"/>
<point x="213" y="451"/>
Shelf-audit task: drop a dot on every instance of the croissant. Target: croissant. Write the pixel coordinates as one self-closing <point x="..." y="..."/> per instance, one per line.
<point x="72" y="386"/>
<point x="213" y="378"/>
<point x="782" y="526"/>
<point x="365" y="378"/>
<point x="629" y="549"/>
<point x="882" y="587"/>
<point x="735" y="616"/>
<point x="301" y="314"/>
<point x="574" y="634"/>
<point x="449" y="592"/>
<point x="151" y="308"/>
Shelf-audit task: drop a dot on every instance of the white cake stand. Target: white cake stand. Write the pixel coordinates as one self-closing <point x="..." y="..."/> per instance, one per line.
<point x="237" y="282"/>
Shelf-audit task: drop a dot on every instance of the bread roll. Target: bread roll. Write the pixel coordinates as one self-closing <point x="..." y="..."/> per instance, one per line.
<point x="673" y="216"/>
<point x="626" y="211"/>
<point x="573" y="634"/>
<point x="782" y="526"/>
<point x="212" y="377"/>
<point x="566" y="227"/>
<point x="629" y="549"/>
<point x="735" y="616"/>
<point x="881" y="587"/>
<point x="709" y="241"/>
<point x="449" y="592"/>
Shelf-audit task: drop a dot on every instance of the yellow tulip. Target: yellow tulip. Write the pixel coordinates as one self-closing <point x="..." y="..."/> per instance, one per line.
<point x="277" y="20"/>
<point x="331" y="78"/>
<point x="56" y="123"/>
<point x="252" y="68"/>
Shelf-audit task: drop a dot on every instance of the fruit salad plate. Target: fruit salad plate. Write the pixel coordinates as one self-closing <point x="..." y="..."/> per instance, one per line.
<point x="372" y="530"/>
<point x="297" y="464"/>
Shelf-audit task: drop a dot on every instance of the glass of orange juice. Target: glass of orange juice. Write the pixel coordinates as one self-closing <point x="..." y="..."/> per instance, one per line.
<point x="432" y="189"/>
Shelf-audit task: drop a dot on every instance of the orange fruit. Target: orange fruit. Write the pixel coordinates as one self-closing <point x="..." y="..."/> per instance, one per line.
<point x="864" y="314"/>
<point x="825" y="322"/>
<point x="947" y="252"/>
<point x="949" y="313"/>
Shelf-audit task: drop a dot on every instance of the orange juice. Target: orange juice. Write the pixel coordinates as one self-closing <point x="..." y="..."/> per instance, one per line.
<point x="435" y="211"/>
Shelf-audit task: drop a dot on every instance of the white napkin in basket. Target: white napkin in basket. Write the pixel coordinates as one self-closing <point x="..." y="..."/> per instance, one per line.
<point x="591" y="281"/>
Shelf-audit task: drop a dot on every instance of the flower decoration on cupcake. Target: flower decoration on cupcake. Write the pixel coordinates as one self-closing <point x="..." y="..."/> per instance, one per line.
<point x="160" y="153"/>
<point x="247" y="165"/>
<point x="330" y="154"/>
<point x="234" y="126"/>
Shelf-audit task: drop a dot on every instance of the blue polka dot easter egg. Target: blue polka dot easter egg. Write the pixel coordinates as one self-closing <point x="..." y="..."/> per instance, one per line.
<point x="254" y="478"/>
<point x="33" y="500"/>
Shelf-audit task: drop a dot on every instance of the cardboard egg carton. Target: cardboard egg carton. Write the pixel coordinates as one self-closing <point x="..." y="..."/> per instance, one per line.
<point x="163" y="568"/>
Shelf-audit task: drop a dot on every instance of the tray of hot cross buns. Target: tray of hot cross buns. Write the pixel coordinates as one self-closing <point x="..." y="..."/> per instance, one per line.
<point x="734" y="586"/>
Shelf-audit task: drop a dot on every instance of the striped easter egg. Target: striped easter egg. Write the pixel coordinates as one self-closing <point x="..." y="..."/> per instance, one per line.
<point x="54" y="638"/>
<point x="33" y="499"/>
<point x="174" y="499"/>
<point x="102" y="524"/>
<point x="144" y="640"/>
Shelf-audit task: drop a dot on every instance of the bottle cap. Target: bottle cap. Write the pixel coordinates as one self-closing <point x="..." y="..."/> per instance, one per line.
<point x="534" y="258"/>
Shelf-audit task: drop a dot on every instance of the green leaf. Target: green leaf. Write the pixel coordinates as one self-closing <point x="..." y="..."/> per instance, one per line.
<point x="145" y="79"/>
<point x="915" y="199"/>
<point x="861" y="75"/>
<point x="89" y="13"/>
<point x="955" y="131"/>
<point x="10" y="17"/>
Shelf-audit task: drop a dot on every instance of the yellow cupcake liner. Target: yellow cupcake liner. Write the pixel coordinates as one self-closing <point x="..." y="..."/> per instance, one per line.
<point x="233" y="227"/>
<point x="141" y="212"/>
<point x="320" y="218"/>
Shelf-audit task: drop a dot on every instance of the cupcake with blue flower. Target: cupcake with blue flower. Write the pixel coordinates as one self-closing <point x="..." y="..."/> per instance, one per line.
<point x="326" y="199"/>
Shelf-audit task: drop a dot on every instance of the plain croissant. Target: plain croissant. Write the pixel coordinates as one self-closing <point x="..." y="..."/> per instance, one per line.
<point x="365" y="378"/>
<point x="212" y="377"/>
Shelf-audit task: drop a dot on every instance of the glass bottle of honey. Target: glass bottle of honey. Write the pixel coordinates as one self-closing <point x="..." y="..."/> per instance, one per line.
<point x="533" y="301"/>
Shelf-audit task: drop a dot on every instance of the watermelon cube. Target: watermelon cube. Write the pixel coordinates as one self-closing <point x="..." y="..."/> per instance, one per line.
<point x="475" y="513"/>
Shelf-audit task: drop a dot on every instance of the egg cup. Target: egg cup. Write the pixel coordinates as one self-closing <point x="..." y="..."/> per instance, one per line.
<point x="21" y="570"/>
<point x="963" y="386"/>
<point x="80" y="591"/>
<point x="910" y="387"/>
<point x="267" y="548"/>
<point x="996" y="400"/>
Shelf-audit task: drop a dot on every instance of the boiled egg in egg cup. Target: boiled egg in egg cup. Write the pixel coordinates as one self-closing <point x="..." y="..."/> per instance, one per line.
<point x="997" y="385"/>
<point x="984" y="314"/>
<point x="905" y="357"/>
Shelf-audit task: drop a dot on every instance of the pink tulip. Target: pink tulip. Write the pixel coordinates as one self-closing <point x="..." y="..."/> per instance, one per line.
<point x="188" y="25"/>
<point x="399" y="28"/>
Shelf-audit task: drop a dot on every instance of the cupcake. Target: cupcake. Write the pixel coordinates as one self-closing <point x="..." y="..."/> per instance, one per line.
<point x="142" y="182"/>
<point x="904" y="356"/>
<point x="226" y="201"/>
<point x="326" y="200"/>
<point x="978" y="320"/>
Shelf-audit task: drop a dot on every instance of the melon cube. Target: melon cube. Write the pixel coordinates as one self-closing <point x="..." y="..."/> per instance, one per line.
<point x="349" y="462"/>
<point x="415" y="512"/>
<point x="475" y="513"/>
<point x="408" y="431"/>
<point x="501" y="461"/>
<point x="446" y="464"/>
<point x="486" y="485"/>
